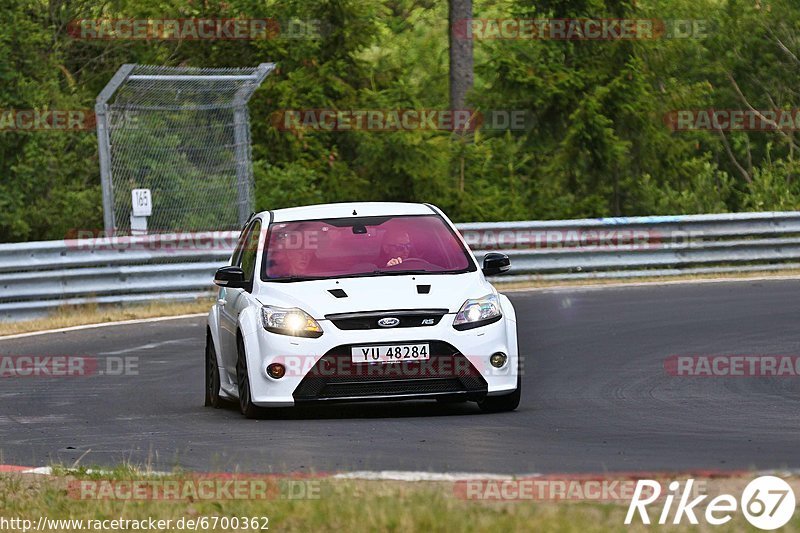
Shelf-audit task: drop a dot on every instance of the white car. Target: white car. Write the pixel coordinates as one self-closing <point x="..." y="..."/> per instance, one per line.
<point x="359" y="302"/>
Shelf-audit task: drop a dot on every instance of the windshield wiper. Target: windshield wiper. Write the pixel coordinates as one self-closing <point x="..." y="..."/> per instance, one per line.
<point x="298" y="278"/>
<point x="400" y="272"/>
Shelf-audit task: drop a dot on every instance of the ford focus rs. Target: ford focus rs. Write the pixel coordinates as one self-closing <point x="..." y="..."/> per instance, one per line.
<point x="359" y="302"/>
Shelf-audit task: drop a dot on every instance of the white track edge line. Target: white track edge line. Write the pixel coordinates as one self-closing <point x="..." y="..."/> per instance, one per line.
<point x="622" y="285"/>
<point x="400" y="475"/>
<point x="100" y="325"/>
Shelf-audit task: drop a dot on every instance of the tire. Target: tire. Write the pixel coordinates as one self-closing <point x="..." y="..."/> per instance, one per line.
<point x="501" y="404"/>
<point x="246" y="405"/>
<point x="212" y="376"/>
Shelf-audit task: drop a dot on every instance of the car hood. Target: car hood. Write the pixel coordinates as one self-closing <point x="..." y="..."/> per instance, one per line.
<point x="447" y="291"/>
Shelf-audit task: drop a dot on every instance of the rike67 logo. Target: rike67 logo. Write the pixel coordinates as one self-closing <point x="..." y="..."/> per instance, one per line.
<point x="767" y="503"/>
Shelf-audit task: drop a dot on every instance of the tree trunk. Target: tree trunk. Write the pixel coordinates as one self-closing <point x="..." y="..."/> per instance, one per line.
<point x="461" y="62"/>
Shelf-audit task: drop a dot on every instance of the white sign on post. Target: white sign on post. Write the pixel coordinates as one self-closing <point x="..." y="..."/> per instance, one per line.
<point x="142" y="202"/>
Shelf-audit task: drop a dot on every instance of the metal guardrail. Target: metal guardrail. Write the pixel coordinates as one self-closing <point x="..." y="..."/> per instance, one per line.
<point x="39" y="276"/>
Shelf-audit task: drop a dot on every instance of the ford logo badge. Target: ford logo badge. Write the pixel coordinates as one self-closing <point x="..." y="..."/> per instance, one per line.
<point x="388" y="322"/>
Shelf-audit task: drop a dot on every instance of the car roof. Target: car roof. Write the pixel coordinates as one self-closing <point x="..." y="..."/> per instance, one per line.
<point x="349" y="209"/>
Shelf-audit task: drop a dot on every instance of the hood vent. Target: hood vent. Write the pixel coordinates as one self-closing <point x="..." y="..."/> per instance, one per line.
<point x="339" y="293"/>
<point x="423" y="289"/>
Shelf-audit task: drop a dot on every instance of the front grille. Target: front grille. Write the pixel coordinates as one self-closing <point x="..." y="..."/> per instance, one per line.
<point x="409" y="318"/>
<point x="390" y="388"/>
<point x="335" y="376"/>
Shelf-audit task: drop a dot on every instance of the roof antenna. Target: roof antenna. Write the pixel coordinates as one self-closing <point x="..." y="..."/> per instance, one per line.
<point x="354" y="212"/>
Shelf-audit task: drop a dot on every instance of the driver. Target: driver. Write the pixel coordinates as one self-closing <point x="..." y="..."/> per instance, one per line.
<point x="299" y="260"/>
<point x="292" y="256"/>
<point x="291" y="262"/>
<point x="396" y="247"/>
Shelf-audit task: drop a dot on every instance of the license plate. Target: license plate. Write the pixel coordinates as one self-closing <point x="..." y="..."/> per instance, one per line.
<point x="393" y="353"/>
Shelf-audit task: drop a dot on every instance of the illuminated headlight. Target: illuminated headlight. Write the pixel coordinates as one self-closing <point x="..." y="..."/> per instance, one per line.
<point x="295" y="322"/>
<point x="478" y="312"/>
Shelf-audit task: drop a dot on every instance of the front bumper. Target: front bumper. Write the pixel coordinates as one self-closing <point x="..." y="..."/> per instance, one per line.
<point x="335" y="377"/>
<point x="320" y="369"/>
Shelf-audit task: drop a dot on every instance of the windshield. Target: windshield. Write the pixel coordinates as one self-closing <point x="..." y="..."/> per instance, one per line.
<point x="363" y="246"/>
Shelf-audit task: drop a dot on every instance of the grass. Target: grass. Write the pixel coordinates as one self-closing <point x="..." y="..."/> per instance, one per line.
<point x="65" y="317"/>
<point x="346" y="505"/>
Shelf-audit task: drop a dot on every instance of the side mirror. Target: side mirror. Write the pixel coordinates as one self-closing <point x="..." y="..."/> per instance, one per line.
<point x="230" y="277"/>
<point x="495" y="263"/>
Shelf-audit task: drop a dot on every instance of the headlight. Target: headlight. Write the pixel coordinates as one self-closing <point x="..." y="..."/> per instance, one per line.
<point x="295" y="322"/>
<point x="478" y="312"/>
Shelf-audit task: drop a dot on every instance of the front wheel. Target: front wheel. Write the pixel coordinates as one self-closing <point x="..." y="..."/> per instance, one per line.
<point x="246" y="405"/>
<point x="212" y="376"/>
<point x="500" y="404"/>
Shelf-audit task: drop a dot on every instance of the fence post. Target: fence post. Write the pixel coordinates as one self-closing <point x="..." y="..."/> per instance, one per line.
<point x="104" y="144"/>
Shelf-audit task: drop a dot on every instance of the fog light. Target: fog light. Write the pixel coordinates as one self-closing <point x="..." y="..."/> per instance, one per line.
<point x="498" y="359"/>
<point x="276" y="370"/>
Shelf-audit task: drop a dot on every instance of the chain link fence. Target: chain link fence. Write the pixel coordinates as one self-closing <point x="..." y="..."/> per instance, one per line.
<point x="184" y="134"/>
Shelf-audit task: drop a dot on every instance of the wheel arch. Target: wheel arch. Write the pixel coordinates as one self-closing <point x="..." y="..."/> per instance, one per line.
<point x="212" y="333"/>
<point x="247" y="331"/>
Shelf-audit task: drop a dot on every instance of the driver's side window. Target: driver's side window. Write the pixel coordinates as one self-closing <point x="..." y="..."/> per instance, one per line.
<point x="236" y="258"/>
<point x="250" y="250"/>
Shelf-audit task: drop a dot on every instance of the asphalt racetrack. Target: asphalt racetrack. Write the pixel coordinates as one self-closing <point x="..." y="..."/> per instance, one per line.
<point x="596" y="397"/>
